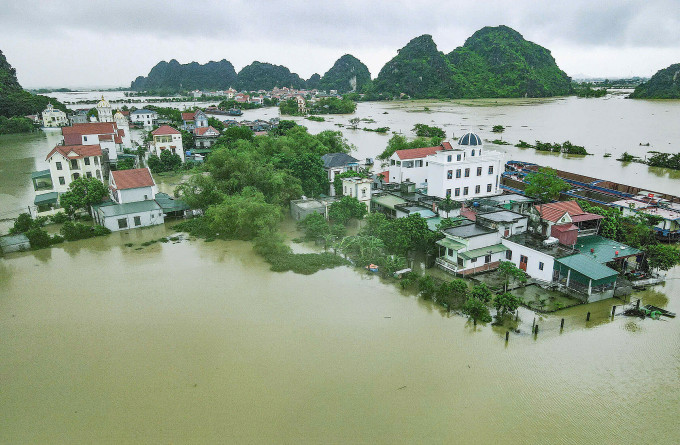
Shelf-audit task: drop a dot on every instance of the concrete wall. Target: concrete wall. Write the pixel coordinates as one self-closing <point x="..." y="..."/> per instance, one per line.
<point x="136" y="194"/>
<point x="534" y="259"/>
<point x="438" y="182"/>
<point x="149" y="218"/>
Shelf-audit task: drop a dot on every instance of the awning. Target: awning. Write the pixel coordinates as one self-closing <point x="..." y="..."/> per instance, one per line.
<point x="46" y="198"/>
<point x="450" y="244"/>
<point x="41" y="174"/>
<point x="587" y="267"/>
<point x="483" y="251"/>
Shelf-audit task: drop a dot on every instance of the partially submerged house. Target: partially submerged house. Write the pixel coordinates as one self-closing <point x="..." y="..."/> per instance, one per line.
<point x="335" y="163"/>
<point x="301" y="208"/>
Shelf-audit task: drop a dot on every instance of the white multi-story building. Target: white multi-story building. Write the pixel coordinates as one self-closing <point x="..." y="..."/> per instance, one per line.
<point x="52" y="117"/>
<point x="105" y="134"/>
<point x="466" y="172"/>
<point x="359" y="188"/>
<point x="144" y="117"/>
<point x="104" y="111"/>
<point x="69" y="162"/>
<point x="411" y="165"/>
<point x="166" y="137"/>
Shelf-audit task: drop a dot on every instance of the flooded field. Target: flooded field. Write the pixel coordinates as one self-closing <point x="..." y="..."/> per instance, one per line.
<point x="199" y="342"/>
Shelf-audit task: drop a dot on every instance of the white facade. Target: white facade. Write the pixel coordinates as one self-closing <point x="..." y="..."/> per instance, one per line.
<point x="67" y="163"/>
<point x="144" y="117"/>
<point x="104" y="111"/>
<point x="411" y="165"/>
<point x="117" y="217"/>
<point x="359" y="188"/>
<point x="167" y="140"/>
<point x="536" y="264"/>
<point x="52" y="117"/>
<point x="465" y="173"/>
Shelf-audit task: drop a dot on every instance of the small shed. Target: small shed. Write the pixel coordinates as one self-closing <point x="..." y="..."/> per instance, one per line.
<point x="14" y="243"/>
<point x="587" y="276"/>
<point x="566" y="233"/>
<point x="301" y="208"/>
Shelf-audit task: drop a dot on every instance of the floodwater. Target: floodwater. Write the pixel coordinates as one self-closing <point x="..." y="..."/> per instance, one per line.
<point x="200" y="342"/>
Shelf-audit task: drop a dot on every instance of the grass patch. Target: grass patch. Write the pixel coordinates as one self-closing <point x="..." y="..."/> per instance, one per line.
<point x="305" y="263"/>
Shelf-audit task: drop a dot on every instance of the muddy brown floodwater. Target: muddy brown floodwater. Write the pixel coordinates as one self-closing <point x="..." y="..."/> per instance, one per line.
<point x="199" y="342"/>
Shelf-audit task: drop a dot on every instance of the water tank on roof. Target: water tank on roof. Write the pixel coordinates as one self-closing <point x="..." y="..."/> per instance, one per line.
<point x="550" y="241"/>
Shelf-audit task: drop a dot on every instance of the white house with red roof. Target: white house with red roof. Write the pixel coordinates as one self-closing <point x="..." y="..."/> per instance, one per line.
<point x="410" y="165"/>
<point x="565" y="220"/>
<point x="166" y="137"/>
<point x="194" y="119"/>
<point x="205" y="136"/>
<point x="107" y="135"/>
<point x="467" y="171"/>
<point x="132" y="202"/>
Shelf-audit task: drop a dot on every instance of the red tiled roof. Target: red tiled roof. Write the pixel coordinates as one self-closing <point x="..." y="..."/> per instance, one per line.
<point x="118" y="140"/>
<point x="200" y="131"/>
<point x="555" y="210"/>
<point x="414" y="153"/>
<point x="385" y="176"/>
<point x="165" y="129"/>
<point x="105" y="137"/>
<point x="187" y="116"/>
<point x="81" y="151"/>
<point x="130" y="179"/>
<point x="586" y="217"/>
<point x="90" y="128"/>
<point x="447" y="146"/>
<point x="564" y="227"/>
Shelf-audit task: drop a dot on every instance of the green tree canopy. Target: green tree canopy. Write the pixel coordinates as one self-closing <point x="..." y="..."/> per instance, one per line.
<point x="81" y="194"/>
<point x="346" y="208"/>
<point x="545" y="185"/>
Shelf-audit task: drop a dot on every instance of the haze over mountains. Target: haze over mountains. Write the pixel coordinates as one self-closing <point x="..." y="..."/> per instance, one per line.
<point x="493" y="62"/>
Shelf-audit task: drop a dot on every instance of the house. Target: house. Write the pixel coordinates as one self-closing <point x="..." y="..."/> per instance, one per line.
<point x="144" y="118"/>
<point x="104" y="111"/>
<point x="335" y="163"/>
<point x="194" y="119"/>
<point x="302" y="104"/>
<point x="132" y="202"/>
<point x="534" y="255"/>
<point x="79" y="116"/>
<point x="507" y="223"/>
<point x="586" y="277"/>
<point x="410" y="165"/>
<point x="669" y="212"/>
<point x="557" y="218"/>
<point x="166" y="137"/>
<point x="509" y="201"/>
<point x="52" y="117"/>
<point x="66" y="163"/>
<point x="470" y="248"/>
<point x="467" y="172"/>
<point x="359" y="188"/>
<point x="205" y="136"/>
<point x="301" y="208"/>
<point x="107" y="135"/>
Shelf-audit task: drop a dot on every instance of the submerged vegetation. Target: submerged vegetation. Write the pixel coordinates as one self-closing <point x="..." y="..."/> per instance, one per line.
<point x="566" y="147"/>
<point x="657" y="159"/>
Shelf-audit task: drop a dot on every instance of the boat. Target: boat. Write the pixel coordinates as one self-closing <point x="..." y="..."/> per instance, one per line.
<point x="235" y="112"/>
<point x="663" y="312"/>
<point x="372" y="268"/>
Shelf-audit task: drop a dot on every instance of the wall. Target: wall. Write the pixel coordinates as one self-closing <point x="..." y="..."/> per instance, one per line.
<point x="438" y="182"/>
<point x="136" y="194"/>
<point x="534" y="257"/>
<point x="150" y="218"/>
<point x="477" y="242"/>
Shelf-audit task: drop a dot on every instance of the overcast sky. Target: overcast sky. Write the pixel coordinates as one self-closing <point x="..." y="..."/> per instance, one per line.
<point x="97" y="43"/>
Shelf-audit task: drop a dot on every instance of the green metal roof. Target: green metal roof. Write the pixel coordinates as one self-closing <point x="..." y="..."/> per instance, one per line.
<point x="46" y="198"/>
<point x="41" y="174"/>
<point x="450" y="244"/>
<point x="201" y="151"/>
<point x="587" y="266"/>
<point x="483" y="251"/>
<point x="129" y="208"/>
<point x="169" y="204"/>
<point x="604" y="249"/>
<point x="388" y="201"/>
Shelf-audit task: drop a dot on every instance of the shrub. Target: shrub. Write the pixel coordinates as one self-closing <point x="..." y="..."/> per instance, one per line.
<point x="39" y="238"/>
<point x="59" y="218"/>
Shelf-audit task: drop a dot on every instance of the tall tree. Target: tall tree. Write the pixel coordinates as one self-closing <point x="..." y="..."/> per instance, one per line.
<point x="545" y="185"/>
<point x="81" y="194"/>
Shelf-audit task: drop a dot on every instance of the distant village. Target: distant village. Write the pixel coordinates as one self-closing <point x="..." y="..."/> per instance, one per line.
<point x="489" y="220"/>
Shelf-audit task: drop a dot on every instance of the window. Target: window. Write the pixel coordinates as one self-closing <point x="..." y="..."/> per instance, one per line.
<point x="87" y="161"/>
<point x="487" y="259"/>
<point x="467" y="172"/>
<point x="473" y="152"/>
<point x="458" y="158"/>
<point x="76" y="175"/>
<point x="62" y="181"/>
<point x="88" y="174"/>
<point x="491" y="169"/>
<point x="122" y="223"/>
<point x="448" y="158"/>
<point x="84" y="138"/>
<point x="74" y="164"/>
<point x="146" y="197"/>
<point x="488" y="187"/>
<point x="58" y="165"/>
<point x="138" y="220"/>
<point x="363" y="192"/>
<point x="508" y="254"/>
<point x="460" y="262"/>
<point x="391" y="161"/>
<point x="458" y="173"/>
<point x="450" y="252"/>
<point x="449" y="174"/>
<point x="399" y="163"/>
<point x="419" y="163"/>
<point x="540" y="266"/>
<point x="465" y="191"/>
<point x="99" y="174"/>
<point x="448" y="193"/>
<point x="479" y="171"/>
<point x="96" y="160"/>
<point x="473" y="260"/>
<point x="477" y="189"/>
<point x="457" y="191"/>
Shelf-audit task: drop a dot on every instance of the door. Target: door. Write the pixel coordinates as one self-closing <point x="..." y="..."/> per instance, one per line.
<point x="523" y="262"/>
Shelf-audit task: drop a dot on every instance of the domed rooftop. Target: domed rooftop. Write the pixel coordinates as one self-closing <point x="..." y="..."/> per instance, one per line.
<point x="470" y="139"/>
<point x="103" y="103"/>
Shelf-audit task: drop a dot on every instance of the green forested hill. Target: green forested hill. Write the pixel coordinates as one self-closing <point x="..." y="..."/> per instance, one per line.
<point x="347" y="74"/>
<point x="14" y="100"/>
<point x="665" y="84"/>
<point x="172" y="77"/>
<point x="258" y="76"/>
<point x="493" y="62"/>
